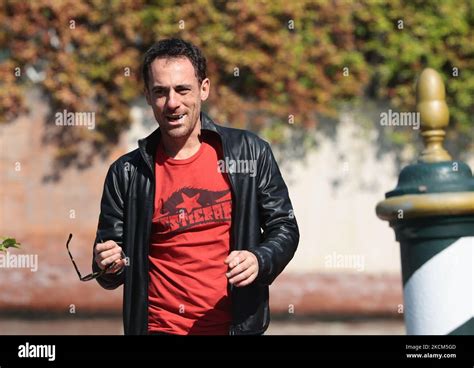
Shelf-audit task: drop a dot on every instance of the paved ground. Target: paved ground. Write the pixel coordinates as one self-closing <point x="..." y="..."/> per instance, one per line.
<point x="113" y="326"/>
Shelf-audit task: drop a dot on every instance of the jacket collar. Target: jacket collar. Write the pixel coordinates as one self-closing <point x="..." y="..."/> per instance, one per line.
<point x="147" y="146"/>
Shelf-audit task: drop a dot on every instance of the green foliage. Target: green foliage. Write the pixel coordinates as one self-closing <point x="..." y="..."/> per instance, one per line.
<point x="290" y="57"/>
<point x="435" y="34"/>
<point x="8" y="243"/>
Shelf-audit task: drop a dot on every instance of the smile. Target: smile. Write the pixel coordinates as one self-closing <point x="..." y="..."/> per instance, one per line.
<point x="175" y="117"/>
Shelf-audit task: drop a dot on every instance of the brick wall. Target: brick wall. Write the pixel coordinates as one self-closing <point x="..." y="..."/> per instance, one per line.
<point x="40" y="214"/>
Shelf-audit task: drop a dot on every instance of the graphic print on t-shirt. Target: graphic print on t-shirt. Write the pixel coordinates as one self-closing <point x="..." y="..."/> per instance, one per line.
<point x="189" y="207"/>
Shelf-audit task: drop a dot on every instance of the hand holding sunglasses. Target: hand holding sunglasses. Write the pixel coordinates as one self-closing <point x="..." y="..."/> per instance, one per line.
<point x="109" y="253"/>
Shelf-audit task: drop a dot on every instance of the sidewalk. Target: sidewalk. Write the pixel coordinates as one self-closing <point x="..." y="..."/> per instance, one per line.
<point x="113" y="326"/>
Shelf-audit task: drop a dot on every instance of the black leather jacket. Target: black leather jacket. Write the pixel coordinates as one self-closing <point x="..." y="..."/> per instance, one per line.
<point x="260" y="202"/>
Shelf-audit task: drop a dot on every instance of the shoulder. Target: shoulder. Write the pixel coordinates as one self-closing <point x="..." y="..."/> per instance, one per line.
<point x="122" y="171"/>
<point x="126" y="162"/>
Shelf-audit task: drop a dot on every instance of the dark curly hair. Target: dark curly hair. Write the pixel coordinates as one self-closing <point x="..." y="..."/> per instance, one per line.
<point x="175" y="48"/>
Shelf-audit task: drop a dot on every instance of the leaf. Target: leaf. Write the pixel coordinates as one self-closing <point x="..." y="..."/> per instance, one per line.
<point x="9" y="243"/>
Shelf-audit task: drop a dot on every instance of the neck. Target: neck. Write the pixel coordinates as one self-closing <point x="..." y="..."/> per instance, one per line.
<point x="183" y="147"/>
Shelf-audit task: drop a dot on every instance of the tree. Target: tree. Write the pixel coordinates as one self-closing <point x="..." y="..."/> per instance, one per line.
<point x="271" y="62"/>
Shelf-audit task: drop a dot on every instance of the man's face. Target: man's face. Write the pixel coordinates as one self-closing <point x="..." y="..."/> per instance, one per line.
<point x="175" y="95"/>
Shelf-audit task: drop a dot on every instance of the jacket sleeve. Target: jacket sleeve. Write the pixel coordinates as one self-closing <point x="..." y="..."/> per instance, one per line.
<point x="110" y="224"/>
<point x="280" y="229"/>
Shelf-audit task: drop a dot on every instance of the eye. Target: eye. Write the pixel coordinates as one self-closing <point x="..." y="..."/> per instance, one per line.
<point x="183" y="91"/>
<point x="159" y="91"/>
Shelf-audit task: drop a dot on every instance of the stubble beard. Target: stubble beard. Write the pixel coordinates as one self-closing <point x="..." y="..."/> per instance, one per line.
<point x="182" y="131"/>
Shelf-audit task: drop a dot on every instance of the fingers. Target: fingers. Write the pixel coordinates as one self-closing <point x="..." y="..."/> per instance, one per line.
<point x="117" y="265"/>
<point x="107" y="253"/>
<point x="247" y="281"/>
<point x="111" y="252"/>
<point x="238" y="267"/>
<point x="113" y="258"/>
<point x="231" y="256"/>
<point x="249" y="273"/>
<point x="243" y="268"/>
<point x="109" y="244"/>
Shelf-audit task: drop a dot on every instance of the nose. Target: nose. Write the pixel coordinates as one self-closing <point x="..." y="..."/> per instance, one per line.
<point x="172" y="102"/>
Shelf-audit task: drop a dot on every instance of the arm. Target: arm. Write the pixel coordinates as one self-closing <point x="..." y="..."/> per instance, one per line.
<point x="280" y="229"/>
<point x="110" y="226"/>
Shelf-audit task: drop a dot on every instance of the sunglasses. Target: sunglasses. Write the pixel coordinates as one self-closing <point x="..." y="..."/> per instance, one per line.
<point x="93" y="275"/>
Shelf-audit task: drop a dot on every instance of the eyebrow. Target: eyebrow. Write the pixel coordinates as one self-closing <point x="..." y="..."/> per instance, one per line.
<point x="179" y="86"/>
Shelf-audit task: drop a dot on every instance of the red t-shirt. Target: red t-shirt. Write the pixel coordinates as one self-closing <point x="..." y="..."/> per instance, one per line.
<point x="187" y="290"/>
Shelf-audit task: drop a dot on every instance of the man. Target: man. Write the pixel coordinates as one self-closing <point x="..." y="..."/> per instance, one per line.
<point x="200" y="211"/>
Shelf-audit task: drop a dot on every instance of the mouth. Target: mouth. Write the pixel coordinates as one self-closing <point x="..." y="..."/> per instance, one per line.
<point x="175" y="118"/>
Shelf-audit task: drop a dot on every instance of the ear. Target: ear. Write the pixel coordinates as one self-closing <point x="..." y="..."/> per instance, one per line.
<point x="205" y="87"/>
<point x="146" y="92"/>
